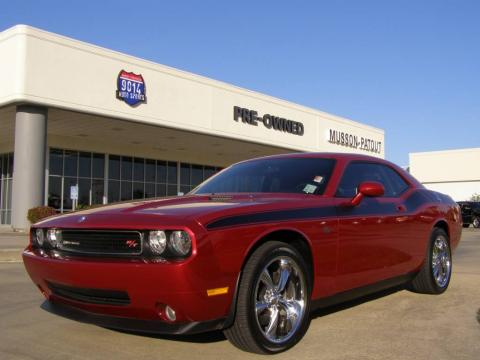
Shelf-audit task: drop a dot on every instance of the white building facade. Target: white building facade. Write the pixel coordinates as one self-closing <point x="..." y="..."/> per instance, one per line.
<point x="452" y="172"/>
<point x="116" y="127"/>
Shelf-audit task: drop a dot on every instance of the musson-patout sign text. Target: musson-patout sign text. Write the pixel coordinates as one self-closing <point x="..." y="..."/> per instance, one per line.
<point x="272" y="122"/>
<point x="354" y="141"/>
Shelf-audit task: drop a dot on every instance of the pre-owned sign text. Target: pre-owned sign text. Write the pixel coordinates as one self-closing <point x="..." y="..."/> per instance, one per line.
<point x="251" y="117"/>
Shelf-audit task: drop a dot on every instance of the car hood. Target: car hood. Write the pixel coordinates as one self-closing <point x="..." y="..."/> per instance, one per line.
<point x="198" y="209"/>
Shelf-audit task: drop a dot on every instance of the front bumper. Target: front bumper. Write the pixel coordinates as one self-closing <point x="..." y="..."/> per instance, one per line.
<point x="150" y="286"/>
<point x="132" y="324"/>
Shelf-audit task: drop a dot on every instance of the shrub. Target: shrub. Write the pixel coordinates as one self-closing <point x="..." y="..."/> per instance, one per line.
<point x="87" y="207"/>
<point x="475" y="197"/>
<point x="40" y="212"/>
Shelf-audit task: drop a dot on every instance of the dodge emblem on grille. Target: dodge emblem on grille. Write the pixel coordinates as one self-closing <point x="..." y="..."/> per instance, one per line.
<point x="131" y="243"/>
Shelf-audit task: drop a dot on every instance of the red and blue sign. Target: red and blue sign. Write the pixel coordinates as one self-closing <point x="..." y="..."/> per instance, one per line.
<point x="131" y="88"/>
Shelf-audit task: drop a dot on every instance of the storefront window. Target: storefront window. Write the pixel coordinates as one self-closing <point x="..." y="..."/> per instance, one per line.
<point x="68" y="182"/>
<point x="98" y="166"/>
<point x="140" y="178"/>
<point x="114" y="167"/>
<point x="185" y="178"/>
<point x="128" y="178"/>
<point x="126" y="168"/>
<point x="55" y="192"/>
<point x="126" y="190"/>
<point x="150" y="171"/>
<point x="56" y="162"/>
<point x="172" y="173"/>
<point x="6" y="181"/>
<point x="70" y="163"/>
<point x="150" y="190"/>
<point x="138" y="190"/>
<point x="139" y="170"/>
<point x="72" y="168"/>
<point x="193" y="175"/>
<point x="113" y="191"/>
<point x="85" y="165"/>
<point x="84" y="190"/>
<point x="97" y="191"/>
<point x="197" y="175"/>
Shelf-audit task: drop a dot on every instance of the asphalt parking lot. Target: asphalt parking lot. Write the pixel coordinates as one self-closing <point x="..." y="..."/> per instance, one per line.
<point x="392" y="325"/>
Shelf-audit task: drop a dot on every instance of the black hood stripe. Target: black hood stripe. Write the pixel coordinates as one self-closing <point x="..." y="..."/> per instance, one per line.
<point x="369" y="206"/>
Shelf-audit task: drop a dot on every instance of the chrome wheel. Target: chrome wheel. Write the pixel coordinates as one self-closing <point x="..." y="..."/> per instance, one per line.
<point x="476" y="222"/>
<point x="280" y="299"/>
<point x="441" y="261"/>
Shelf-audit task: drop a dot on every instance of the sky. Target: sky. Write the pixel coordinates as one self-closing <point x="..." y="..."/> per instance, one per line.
<point x="410" y="67"/>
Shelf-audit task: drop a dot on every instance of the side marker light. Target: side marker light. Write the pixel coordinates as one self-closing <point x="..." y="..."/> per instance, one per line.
<point x="217" y="291"/>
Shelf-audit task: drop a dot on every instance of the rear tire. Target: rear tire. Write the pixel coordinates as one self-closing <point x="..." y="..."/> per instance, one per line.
<point x="273" y="305"/>
<point x="466" y="225"/>
<point x="436" y="271"/>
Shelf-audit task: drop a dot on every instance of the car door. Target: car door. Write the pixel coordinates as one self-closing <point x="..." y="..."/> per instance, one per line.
<point x="371" y="244"/>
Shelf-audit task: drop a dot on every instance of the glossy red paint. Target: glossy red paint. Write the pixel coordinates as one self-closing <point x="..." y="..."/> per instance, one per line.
<point x="349" y="247"/>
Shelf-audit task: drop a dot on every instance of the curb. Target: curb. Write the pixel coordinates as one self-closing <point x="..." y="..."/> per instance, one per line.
<point x="10" y="255"/>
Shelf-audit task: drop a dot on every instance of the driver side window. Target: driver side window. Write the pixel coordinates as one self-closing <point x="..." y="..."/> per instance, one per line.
<point x="358" y="172"/>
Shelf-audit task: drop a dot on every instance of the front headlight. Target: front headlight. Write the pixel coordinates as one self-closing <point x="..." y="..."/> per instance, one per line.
<point x="39" y="237"/>
<point x="181" y="242"/>
<point x="53" y="238"/>
<point x="158" y="241"/>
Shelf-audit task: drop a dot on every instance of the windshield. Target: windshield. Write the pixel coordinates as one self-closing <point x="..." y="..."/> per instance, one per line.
<point x="287" y="175"/>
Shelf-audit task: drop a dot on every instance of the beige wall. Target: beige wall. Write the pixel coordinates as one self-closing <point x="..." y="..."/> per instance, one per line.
<point x="12" y="66"/>
<point x="453" y="172"/>
<point x="55" y="71"/>
<point x="459" y="191"/>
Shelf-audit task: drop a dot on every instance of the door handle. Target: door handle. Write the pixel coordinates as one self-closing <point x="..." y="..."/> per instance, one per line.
<point x="401" y="208"/>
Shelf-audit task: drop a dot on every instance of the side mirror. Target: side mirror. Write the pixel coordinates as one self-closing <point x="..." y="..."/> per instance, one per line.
<point x="367" y="188"/>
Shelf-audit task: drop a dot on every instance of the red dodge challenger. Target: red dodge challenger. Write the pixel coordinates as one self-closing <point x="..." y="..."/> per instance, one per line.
<point x="251" y="251"/>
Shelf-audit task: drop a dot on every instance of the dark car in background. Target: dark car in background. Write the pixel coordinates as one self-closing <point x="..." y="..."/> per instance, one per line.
<point x="470" y="213"/>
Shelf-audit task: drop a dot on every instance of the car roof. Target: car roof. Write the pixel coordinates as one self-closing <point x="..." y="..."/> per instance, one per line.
<point x="344" y="157"/>
<point x="330" y="155"/>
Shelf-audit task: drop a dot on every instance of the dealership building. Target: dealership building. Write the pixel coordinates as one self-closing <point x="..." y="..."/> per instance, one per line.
<point x="83" y="125"/>
<point x="452" y="172"/>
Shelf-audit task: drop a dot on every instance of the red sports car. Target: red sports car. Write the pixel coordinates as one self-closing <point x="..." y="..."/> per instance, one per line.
<point x="251" y="251"/>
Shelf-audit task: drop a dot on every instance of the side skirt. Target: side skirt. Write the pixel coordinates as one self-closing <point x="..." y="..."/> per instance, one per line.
<point x="360" y="291"/>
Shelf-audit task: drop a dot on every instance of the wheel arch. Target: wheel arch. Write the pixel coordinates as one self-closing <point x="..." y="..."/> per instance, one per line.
<point x="442" y="224"/>
<point x="290" y="236"/>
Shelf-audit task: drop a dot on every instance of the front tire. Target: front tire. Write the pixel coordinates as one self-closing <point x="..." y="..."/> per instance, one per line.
<point x="273" y="306"/>
<point x="434" y="276"/>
